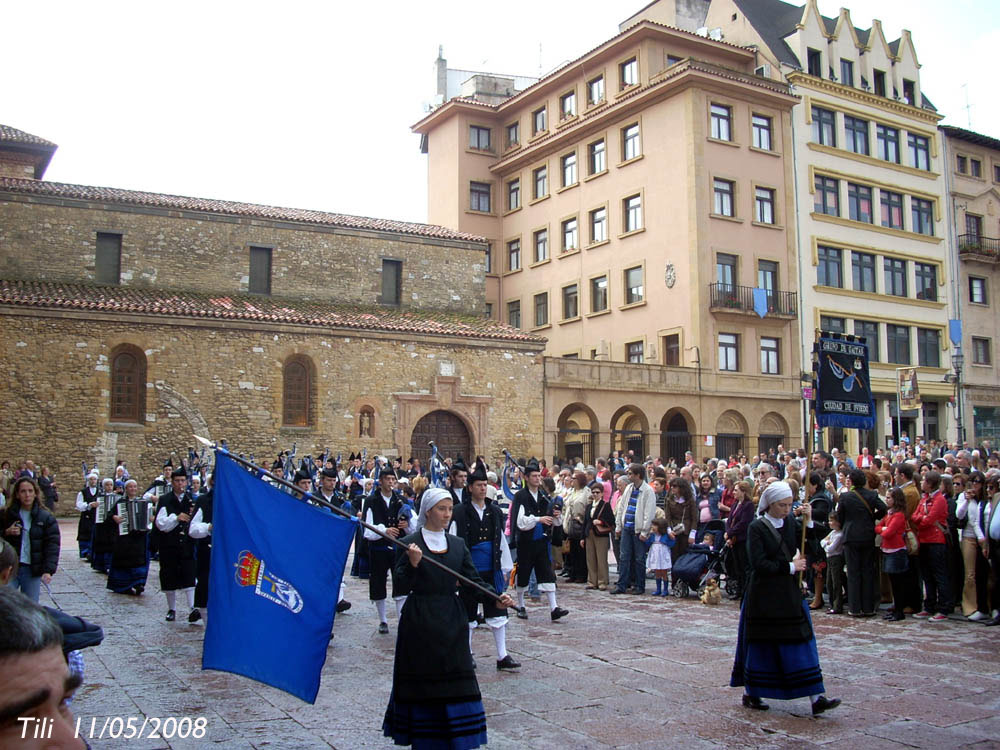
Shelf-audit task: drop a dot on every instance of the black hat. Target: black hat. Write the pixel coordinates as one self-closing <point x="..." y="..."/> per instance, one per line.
<point x="178" y="472"/>
<point x="302" y="474"/>
<point x="330" y="473"/>
<point x="169" y="462"/>
<point x="531" y="466"/>
<point x="458" y="465"/>
<point x="479" y="473"/>
<point x="351" y="457"/>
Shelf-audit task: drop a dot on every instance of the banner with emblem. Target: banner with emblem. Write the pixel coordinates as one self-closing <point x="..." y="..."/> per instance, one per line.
<point x="843" y="396"/>
<point x="276" y="569"/>
<point x="907" y="388"/>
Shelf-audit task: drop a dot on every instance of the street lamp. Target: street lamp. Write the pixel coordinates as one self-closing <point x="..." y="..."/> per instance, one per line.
<point x="957" y="360"/>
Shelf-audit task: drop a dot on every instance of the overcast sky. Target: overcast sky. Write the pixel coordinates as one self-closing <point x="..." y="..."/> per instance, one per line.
<point x="310" y="105"/>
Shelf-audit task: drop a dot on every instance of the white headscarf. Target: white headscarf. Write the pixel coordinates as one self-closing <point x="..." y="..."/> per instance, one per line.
<point x="431" y="497"/>
<point x="773" y="493"/>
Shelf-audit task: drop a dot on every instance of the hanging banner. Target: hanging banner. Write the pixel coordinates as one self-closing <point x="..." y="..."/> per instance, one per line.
<point x="843" y="390"/>
<point x="907" y="388"/>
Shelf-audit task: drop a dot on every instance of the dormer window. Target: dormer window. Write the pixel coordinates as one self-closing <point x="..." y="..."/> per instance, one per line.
<point x="814" y="62"/>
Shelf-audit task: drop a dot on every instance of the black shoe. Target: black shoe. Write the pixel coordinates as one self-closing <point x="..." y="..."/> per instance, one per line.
<point x="521" y="613"/>
<point x="750" y="701"/>
<point x="559" y="612"/>
<point x="195" y="615"/>
<point x="507" y="663"/>
<point x="139" y="589"/>
<point x="994" y="621"/>
<point x="474" y="667"/>
<point x="889" y="616"/>
<point x="171" y="615"/>
<point x="824" y="704"/>
<point x="616" y="591"/>
<point x="343" y="605"/>
<point x="480" y="619"/>
<point x="383" y="628"/>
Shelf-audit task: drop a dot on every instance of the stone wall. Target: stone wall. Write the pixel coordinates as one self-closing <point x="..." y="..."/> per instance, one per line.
<point x="55" y="239"/>
<point x="225" y="381"/>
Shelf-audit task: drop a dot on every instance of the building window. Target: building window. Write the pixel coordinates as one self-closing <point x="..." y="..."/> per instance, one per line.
<point x="909" y="92"/>
<point x="973" y="227"/>
<point x="925" y="276"/>
<point x="630" y="142"/>
<point x="767" y="277"/>
<point x="599" y="294"/>
<point x="729" y="359"/>
<point x="489" y="310"/>
<point x="824" y="126"/>
<point x="928" y="347"/>
<point x="513" y="134"/>
<point x="930" y="413"/>
<point x="895" y="276"/>
<point x="633" y="352"/>
<point x="541" y="242"/>
<point x="514" y="313"/>
<point x="541" y="309"/>
<point x="514" y="255"/>
<point x="888" y="143"/>
<point x="723" y="190"/>
<point x="827" y="196"/>
<point x="814" y="62"/>
<point x="569" y="169"/>
<point x="489" y="257"/>
<point x="672" y="350"/>
<point x="628" y="73"/>
<point x="479" y="196"/>
<point x="977" y="291"/>
<point x="598" y="225"/>
<point x="981" y="351"/>
<point x="108" y="258"/>
<point x="392" y="282"/>
<point x="897" y="339"/>
<point x="541" y="182"/>
<point x="567" y="105"/>
<point x="597" y="157"/>
<point x="831" y="325"/>
<point x="923" y="216"/>
<point x="762" y="132"/>
<point x="539" y="121"/>
<point x="975" y="168"/>
<point x="879" y="78"/>
<point x="722" y="122"/>
<point x="296" y="392"/>
<point x="570" y="235"/>
<point x="260" y="270"/>
<point x="571" y="302"/>
<point x="859" y="202"/>
<point x="857" y="135"/>
<point x="863" y="271"/>
<point x="632" y="213"/>
<point x="996" y="173"/>
<point x="830" y="269"/>
<point x="634" y="289"/>
<point x="869" y="330"/>
<point x="920" y="152"/>
<point x="595" y="90"/>
<point x="128" y="385"/>
<point x="513" y="194"/>
<point x="847" y="72"/>
<point x="725" y="270"/>
<point x="892" y="209"/>
<point x="764" y="205"/>
<point x="961" y="164"/>
<point x="769" y="356"/>
<point x="479" y="138"/>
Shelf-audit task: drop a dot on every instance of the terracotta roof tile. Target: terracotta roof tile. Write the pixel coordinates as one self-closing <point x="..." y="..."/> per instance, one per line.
<point x="210" y="205"/>
<point x="139" y="301"/>
<point x="13" y="135"/>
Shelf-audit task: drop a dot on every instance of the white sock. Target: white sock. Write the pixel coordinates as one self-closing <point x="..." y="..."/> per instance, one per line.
<point x="520" y="596"/>
<point x="189" y="593"/>
<point x="472" y="627"/>
<point x="171" y="599"/>
<point x="399" y="601"/>
<point x="552" y="599"/>
<point x="342" y="589"/>
<point x="814" y="698"/>
<point x="380" y="607"/>
<point x="500" y="636"/>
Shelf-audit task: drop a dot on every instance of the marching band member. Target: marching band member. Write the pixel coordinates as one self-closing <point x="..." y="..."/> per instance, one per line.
<point x="86" y="503"/>
<point x="177" y="563"/>
<point x="106" y="530"/>
<point x="129" y="555"/>
<point x="381" y="509"/>
<point x="201" y="530"/>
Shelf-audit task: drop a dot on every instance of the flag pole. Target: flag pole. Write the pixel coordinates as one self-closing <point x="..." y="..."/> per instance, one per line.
<point x="322" y="501"/>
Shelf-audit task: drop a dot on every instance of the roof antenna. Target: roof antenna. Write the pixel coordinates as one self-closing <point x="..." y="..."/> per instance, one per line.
<point x="968" y="107"/>
<point x="539" y="59"/>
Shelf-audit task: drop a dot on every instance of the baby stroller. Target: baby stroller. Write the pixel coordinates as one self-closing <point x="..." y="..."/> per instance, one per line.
<point x="700" y="563"/>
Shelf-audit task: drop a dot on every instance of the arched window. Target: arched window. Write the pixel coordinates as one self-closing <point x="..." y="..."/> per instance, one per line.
<point x="128" y="385"/>
<point x="297" y="392"/>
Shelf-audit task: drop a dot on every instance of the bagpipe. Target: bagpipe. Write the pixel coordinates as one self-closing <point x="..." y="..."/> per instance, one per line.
<point x="438" y="472"/>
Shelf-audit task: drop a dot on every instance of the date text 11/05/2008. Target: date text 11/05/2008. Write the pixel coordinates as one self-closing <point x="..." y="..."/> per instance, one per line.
<point x="119" y="727"/>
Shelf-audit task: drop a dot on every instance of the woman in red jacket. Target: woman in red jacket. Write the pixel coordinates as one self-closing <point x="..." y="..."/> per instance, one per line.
<point x="895" y="561"/>
<point x="930" y="520"/>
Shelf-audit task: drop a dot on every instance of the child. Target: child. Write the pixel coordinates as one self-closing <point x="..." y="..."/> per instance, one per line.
<point x="709" y="539"/>
<point x="833" y="546"/>
<point x="658" y="558"/>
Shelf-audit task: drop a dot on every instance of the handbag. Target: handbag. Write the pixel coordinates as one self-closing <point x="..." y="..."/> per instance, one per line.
<point x="575" y="528"/>
<point x="911" y="541"/>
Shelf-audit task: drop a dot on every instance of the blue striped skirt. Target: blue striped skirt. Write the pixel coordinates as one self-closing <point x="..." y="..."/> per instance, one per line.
<point x="435" y="726"/>
<point x="120" y="580"/>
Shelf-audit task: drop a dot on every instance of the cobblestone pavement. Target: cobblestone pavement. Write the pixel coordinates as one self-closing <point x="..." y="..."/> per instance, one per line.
<point x="620" y="671"/>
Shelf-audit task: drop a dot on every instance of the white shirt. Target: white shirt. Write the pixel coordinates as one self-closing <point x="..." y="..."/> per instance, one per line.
<point x="370" y="520"/>
<point x="526" y="522"/>
<point x="198" y="528"/>
<point x="436" y="540"/>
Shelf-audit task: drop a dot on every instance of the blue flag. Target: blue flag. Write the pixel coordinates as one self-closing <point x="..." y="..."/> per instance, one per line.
<point x="760" y="301"/>
<point x="276" y="569"/>
<point x="955" y="331"/>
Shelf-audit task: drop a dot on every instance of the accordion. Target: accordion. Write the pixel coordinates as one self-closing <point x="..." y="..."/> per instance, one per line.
<point x="135" y="516"/>
<point x="107" y="505"/>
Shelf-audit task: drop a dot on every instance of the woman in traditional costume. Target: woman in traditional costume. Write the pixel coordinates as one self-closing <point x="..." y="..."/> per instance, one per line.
<point x="130" y="551"/>
<point x="776" y="654"/>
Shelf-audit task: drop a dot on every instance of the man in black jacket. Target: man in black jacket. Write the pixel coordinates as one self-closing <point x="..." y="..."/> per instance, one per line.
<point x="857" y="511"/>
<point x="177" y="549"/>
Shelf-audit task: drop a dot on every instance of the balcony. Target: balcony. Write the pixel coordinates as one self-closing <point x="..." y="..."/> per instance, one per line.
<point x="977" y="247"/>
<point x="739" y="299"/>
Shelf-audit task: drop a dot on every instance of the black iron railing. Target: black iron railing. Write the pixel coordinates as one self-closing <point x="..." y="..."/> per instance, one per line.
<point x="740" y="299"/>
<point x="978" y="245"/>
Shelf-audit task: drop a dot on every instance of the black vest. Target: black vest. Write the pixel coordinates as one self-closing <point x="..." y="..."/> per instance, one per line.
<point x="175" y="506"/>
<point x="532" y="507"/>
<point x="474" y="530"/>
<point x="386" y="516"/>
